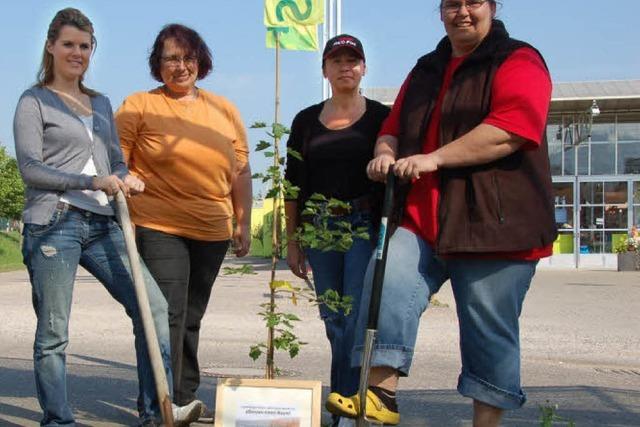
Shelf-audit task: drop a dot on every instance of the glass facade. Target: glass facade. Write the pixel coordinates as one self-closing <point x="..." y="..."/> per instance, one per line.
<point x="614" y="147"/>
<point x="596" y="183"/>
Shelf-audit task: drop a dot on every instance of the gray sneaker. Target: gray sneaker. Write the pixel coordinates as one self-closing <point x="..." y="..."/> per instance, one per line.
<point x="185" y="415"/>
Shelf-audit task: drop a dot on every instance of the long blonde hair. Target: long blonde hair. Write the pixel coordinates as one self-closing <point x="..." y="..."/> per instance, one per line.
<point x="74" y="18"/>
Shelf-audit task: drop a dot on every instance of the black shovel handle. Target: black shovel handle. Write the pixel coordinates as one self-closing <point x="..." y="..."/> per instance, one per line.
<point x="381" y="251"/>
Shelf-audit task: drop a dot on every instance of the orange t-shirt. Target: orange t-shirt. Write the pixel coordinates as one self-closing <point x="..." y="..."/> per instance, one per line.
<point x="187" y="153"/>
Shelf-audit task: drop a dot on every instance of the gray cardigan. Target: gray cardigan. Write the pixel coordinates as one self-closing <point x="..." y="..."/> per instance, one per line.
<point x="52" y="148"/>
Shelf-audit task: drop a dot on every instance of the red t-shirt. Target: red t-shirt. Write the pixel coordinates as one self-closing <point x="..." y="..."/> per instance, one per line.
<point x="519" y="104"/>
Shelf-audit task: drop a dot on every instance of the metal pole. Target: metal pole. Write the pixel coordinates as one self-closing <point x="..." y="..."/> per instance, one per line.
<point x="325" y="38"/>
<point x="577" y="195"/>
<point x="338" y="17"/>
<point x="332" y="22"/>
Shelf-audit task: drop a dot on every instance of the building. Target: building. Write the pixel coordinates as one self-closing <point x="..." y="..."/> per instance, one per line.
<point x="594" y="151"/>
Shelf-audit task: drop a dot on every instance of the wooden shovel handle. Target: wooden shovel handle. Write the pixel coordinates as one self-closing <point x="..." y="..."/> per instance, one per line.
<point x="162" y="387"/>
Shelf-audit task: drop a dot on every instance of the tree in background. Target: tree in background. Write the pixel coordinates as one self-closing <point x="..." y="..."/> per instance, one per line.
<point x="11" y="187"/>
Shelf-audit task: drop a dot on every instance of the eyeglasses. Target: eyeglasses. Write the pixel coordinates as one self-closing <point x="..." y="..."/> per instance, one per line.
<point x="452" y="7"/>
<point x="175" y="60"/>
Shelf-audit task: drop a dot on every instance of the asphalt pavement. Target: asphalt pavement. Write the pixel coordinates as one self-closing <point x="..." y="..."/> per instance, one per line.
<point x="580" y="337"/>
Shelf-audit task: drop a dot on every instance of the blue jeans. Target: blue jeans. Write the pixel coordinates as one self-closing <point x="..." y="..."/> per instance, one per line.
<point x="489" y="294"/>
<point x="343" y="272"/>
<point x="52" y="254"/>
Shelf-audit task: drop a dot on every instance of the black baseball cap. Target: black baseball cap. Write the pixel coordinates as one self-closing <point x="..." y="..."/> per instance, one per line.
<point x="343" y="41"/>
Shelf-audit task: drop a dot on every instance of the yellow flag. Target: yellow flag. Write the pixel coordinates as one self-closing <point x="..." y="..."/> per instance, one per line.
<point x="294" y="37"/>
<point x="284" y="13"/>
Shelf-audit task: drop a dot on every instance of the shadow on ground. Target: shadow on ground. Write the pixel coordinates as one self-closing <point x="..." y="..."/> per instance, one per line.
<point x="104" y="392"/>
<point x="258" y="263"/>
<point x="586" y="406"/>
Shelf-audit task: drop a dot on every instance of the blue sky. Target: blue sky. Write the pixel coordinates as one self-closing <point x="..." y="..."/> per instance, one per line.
<point x="580" y="39"/>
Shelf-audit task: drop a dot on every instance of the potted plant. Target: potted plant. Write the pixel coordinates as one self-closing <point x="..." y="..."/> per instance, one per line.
<point x="628" y="254"/>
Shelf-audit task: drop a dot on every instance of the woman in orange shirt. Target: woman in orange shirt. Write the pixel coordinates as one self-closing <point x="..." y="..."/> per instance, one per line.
<point x="190" y="148"/>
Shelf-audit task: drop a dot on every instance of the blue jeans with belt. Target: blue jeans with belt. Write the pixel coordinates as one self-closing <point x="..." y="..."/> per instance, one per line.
<point x="343" y="272"/>
<point x="489" y="294"/>
<point x="52" y="253"/>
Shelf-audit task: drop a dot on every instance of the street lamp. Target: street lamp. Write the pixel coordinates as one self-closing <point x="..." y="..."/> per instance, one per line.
<point x="581" y="132"/>
<point x="584" y="123"/>
<point x="593" y="111"/>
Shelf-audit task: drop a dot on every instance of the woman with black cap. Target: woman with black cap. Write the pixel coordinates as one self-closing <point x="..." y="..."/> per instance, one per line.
<point x="336" y="139"/>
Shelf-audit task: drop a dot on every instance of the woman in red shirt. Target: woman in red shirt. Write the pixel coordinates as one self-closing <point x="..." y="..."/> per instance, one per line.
<point x="467" y="134"/>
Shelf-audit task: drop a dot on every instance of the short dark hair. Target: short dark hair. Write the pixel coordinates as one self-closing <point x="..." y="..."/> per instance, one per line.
<point x="189" y="40"/>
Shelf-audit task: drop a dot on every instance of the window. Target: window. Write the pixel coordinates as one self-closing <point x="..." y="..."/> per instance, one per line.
<point x="603" y="130"/>
<point x="555" y="158"/>
<point x="629" y="157"/>
<point x="636" y="204"/>
<point x="603" y="158"/>
<point x="628" y="132"/>
<point x="563" y="198"/>
<point x="603" y="215"/>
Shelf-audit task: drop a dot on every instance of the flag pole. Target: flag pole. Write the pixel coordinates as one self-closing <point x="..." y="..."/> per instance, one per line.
<point x="325" y="37"/>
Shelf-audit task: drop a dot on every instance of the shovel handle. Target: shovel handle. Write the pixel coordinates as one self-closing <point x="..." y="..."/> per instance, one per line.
<point x="376" y="296"/>
<point x="162" y="387"/>
<point x="381" y="251"/>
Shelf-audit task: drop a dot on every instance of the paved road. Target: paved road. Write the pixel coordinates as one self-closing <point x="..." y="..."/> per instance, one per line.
<point x="580" y="341"/>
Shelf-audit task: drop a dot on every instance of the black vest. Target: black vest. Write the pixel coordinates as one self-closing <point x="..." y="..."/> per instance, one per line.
<point x="502" y="206"/>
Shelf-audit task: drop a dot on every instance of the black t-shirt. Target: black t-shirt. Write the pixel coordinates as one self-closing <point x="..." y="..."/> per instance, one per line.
<point x="334" y="161"/>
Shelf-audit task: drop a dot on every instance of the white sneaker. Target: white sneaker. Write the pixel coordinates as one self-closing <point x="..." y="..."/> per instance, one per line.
<point x="185" y="415"/>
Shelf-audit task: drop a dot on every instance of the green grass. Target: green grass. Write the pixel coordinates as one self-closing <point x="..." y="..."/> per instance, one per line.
<point x="10" y="255"/>
<point x="550" y="418"/>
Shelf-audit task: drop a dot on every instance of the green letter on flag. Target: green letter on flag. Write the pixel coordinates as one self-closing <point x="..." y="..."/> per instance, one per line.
<point x="294" y="37"/>
<point x="284" y="13"/>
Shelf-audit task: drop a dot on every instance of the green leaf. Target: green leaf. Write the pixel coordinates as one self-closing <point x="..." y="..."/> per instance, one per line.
<point x="274" y="171"/>
<point x="272" y="321"/>
<point x="269" y="154"/>
<point x="295" y="154"/>
<point x="258" y="125"/>
<point x="337" y="203"/>
<point x="279" y="130"/>
<point x="294" y="349"/>
<point x="273" y="193"/>
<point x="290" y="190"/>
<point x="309" y="210"/>
<point x="255" y="352"/>
<point x="262" y="145"/>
